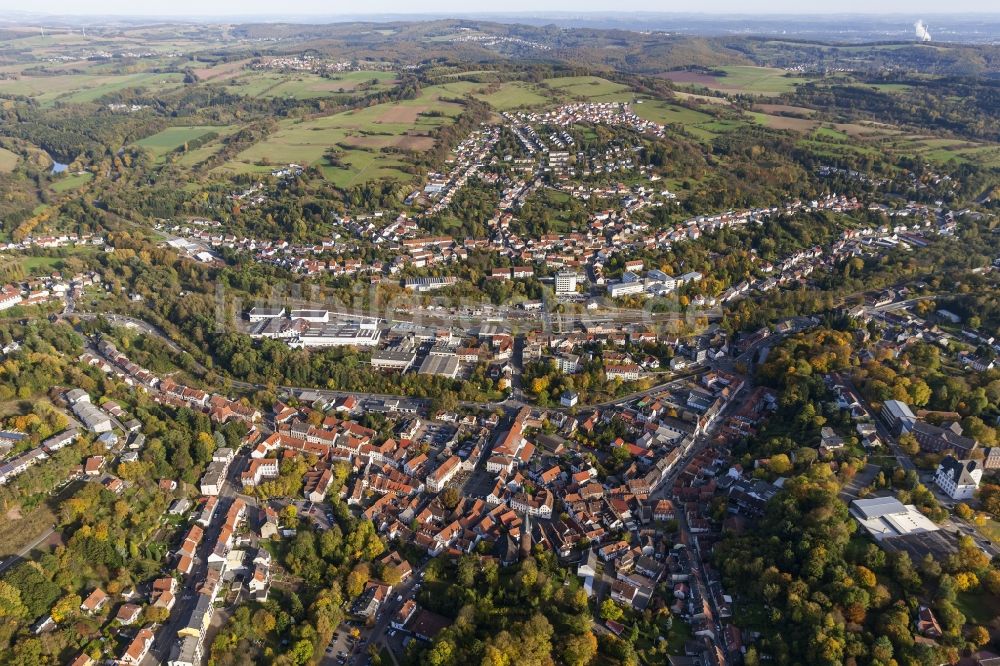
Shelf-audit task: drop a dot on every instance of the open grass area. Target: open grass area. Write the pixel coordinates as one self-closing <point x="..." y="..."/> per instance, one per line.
<point x="8" y="160"/>
<point x="760" y="80"/>
<point x="592" y="88"/>
<point x="783" y="122"/>
<point x="19" y="528"/>
<point x="170" y="139"/>
<point x="506" y="96"/>
<point x="513" y="95"/>
<point x="75" y="88"/>
<point x="71" y="182"/>
<point x="357" y="137"/>
<point x="978" y="606"/>
<point x="37" y="265"/>
<point x="306" y="85"/>
<point x="669" y="114"/>
<point x="764" y="81"/>
<point x="990" y="530"/>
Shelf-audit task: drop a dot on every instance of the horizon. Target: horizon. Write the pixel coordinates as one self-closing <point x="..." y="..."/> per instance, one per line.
<point x="259" y="9"/>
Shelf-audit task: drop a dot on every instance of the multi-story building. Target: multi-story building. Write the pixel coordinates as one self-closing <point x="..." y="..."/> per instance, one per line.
<point x="566" y="282"/>
<point x="958" y="479"/>
<point x="439" y="478"/>
<point x="897" y="416"/>
<point x="260" y="469"/>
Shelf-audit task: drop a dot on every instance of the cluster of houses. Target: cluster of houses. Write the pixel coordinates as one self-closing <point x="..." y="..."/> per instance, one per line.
<point x="224" y="557"/>
<point x="614" y="114"/>
<point x="309" y="63"/>
<point x="465" y="162"/>
<point x="52" y="288"/>
<point x="166" y="391"/>
<point x="129" y="614"/>
<point x="51" y="242"/>
<point x="19" y="464"/>
<point x="493" y="40"/>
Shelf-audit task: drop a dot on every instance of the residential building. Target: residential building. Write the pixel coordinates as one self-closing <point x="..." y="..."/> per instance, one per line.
<point x="138" y="648"/>
<point x="439" y="478"/>
<point x="566" y="282"/>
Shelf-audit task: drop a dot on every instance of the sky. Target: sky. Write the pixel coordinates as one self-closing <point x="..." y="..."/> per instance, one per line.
<point x="193" y="8"/>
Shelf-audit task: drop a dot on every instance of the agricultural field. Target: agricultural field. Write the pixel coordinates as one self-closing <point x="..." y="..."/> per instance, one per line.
<point x="200" y="154"/>
<point x="669" y="114"/>
<point x="783" y="122"/>
<point x="591" y="88"/>
<point x="306" y="85"/>
<point x="514" y="95"/>
<point x="765" y="81"/>
<point x="8" y="160"/>
<point x="357" y="136"/>
<point x="172" y="138"/>
<point x="77" y="88"/>
<point x="943" y="150"/>
<point x="507" y="96"/>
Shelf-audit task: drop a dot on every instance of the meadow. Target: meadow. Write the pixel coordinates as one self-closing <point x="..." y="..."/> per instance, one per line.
<point x="71" y="182"/>
<point x="765" y="81"/>
<point x="591" y="88"/>
<point x="358" y="137"/>
<point x="306" y="85"/>
<point x="77" y="88"/>
<point x="8" y="160"/>
<point x="172" y="138"/>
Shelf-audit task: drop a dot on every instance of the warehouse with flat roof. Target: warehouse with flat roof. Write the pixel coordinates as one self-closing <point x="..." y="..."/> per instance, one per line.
<point x="439" y="364"/>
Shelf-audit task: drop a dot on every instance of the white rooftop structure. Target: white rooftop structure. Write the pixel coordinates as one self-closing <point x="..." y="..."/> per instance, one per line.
<point x="888" y="517"/>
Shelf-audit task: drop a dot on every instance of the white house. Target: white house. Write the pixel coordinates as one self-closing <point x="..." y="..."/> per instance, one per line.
<point x="958" y="479"/>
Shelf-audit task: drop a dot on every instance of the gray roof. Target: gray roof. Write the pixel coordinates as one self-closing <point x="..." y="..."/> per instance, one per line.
<point x="898" y="409"/>
<point x="959" y="470"/>
<point x="438" y="364"/>
<point x="876" y="507"/>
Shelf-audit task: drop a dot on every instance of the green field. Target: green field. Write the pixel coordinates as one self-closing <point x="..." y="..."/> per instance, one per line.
<point x="306" y="85"/>
<point x="170" y="139"/>
<point x="358" y="136"/>
<point x="71" y="182"/>
<point x="514" y="95"/>
<point x="507" y="96"/>
<point x="8" y="160"/>
<point x="669" y="114"/>
<point x="592" y="88"/>
<point x="81" y="87"/>
<point x="761" y="80"/>
<point x="740" y="79"/>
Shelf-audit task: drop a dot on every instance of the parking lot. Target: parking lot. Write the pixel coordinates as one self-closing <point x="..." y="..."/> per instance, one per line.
<point x="341" y="647"/>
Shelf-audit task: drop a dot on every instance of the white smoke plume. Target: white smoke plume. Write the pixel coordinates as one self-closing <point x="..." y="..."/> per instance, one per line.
<point x="923" y="34"/>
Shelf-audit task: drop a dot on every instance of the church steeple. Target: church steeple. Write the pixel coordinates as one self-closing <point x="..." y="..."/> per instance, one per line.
<point x="526" y="537"/>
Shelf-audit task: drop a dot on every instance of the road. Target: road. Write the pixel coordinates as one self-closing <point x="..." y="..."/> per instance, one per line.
<point x="187" y="597"/>
<point x="513" y="402"/>
<point x="377" y="632"/>
<point x="18" y="557"/>
<point x="700" y="444"/>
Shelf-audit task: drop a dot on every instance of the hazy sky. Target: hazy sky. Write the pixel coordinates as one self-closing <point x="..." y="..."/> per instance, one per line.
<point x="302" y="7"/>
